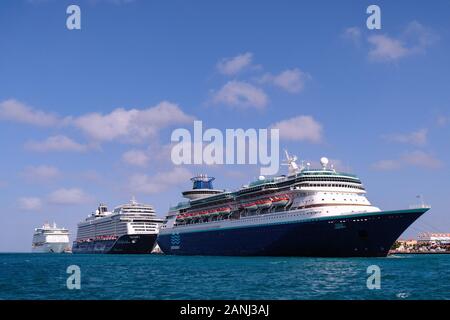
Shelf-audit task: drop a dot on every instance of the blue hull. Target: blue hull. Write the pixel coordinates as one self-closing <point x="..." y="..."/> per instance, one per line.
<point x="127" y="244"/>
<point x="362" y="235"/>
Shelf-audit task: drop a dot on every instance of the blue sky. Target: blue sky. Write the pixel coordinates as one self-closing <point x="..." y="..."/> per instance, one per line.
<point x="86" y="115"/>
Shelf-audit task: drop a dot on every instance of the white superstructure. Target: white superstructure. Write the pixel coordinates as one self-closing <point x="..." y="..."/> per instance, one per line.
<point x="304" y="193"/>
<point x="50" y="239"/>
<point x="129" y="219"/>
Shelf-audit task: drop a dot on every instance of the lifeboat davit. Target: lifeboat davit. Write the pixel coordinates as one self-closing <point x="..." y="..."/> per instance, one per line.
<point x="264" y="203"/>
<point x="280" y="201"/>
<point x="251" y="206"/>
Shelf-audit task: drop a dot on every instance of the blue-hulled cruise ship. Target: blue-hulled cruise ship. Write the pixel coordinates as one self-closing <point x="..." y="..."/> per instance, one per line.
<point x="309" y="212"/>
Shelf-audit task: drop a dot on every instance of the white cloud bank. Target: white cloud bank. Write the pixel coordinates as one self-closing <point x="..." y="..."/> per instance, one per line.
<point x="125" y="125"/>
<point x="415" y="159"/>
<point x="131" y="125"/>
<point x="71" y="196"/>
<point x="418" y="137"/>
<point x="292" y="80"/>
<point x="141" y="183"/>
<point x="414" y="39"/>
<point x="41" y="173"/>
<point x="137" y="158"/>
<point x="385" y="48"/>
<point x="353" y="34"/>
<point x="232" y="66"/>
<point x="241" y="94"/>
<point x="16" y="111"/>
<point x="300" y="128"/>
<point x="30" y="203"/>
<point x="55" y="143"/>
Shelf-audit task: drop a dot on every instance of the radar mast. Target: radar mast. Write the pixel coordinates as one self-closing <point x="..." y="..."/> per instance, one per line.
<point x="290" y="161"/>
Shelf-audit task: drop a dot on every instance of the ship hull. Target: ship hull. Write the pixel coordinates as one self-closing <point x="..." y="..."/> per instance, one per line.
<point x="356" y="235"/>
<point x="126" y="244"/>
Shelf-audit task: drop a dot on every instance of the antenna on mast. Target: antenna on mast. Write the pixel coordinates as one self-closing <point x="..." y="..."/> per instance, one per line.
<point x="293" y="168"/>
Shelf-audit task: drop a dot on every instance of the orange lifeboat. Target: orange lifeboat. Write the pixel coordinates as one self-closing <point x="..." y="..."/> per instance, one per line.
<point x="264" y="203"/>
<point x="251" y="206"/>
<point x="224" y="210"/>
<point x="280" y="201"/>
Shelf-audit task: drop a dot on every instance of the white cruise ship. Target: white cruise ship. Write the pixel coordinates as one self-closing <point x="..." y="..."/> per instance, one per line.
<point x="50" y="239"/>
<point x="308" y="212"/>
<point x="129" y="228"/>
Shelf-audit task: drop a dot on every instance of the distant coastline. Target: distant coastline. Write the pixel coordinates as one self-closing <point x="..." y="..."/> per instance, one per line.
<point x="418" y="252"/>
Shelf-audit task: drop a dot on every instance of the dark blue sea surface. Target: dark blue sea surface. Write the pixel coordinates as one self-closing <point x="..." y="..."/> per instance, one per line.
<point x="43" y="276"/>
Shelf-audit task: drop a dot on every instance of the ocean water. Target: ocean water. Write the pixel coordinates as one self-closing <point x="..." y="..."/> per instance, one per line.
<point x="43" y="276"/>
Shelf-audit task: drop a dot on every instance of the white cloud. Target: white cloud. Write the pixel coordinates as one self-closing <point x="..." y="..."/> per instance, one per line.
<point x="415" y="159"/>
<point x="301" y="128"/>
<point x="13" y="110"/>
<point x="126" y="125"/>
<point x="41" y="173"/>
<point x="55" y="143"/>
<point x="137" y="158"/>
<point x="68" y="196"/>
<point x="232" y="66"/>
<point x="419" y="36"/>
<point x="241" y="94"/>
<point x="422" y="159"/>
<point x="416" y="138"/>
<point x="442" y="121"/>
<point x="142" y="183"/>
<point x="385" y="48"/>
<point x="353" y="34"/>
<point x="292" y="80"/>
<point x="414" y="40"/>
<point x="131" y="125"/>
<point x="30" y="203"/>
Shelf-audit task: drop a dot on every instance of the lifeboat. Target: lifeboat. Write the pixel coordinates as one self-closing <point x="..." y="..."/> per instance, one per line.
<point x="264" y="203"/>
<point x="215" y="212"/>
<point x="180" y="217"/>
<point x="188" y="216"/>
<point x="250" y="206"/>
<point x="198" y="214"/>
<point x="280" y="201"/>
<point x="224" y="210"/>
